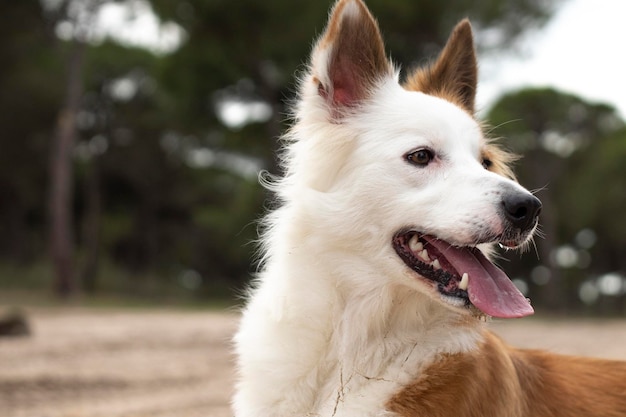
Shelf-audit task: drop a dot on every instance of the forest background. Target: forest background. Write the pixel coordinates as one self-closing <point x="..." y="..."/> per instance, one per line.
<point x="129" y="169"/>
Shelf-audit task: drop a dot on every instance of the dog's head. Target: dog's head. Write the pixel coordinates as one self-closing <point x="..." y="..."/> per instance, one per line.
<point x="401" y="174"/>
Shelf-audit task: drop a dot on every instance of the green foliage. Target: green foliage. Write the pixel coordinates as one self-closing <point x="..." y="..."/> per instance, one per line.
<point x="599" y="185"/>
<point x="164" y="187"/>
<point x="28" y="107"/>
<point x="574" y="154"/>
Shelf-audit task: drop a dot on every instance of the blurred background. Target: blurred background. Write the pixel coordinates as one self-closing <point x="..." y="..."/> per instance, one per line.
<point x="132" y="133"/>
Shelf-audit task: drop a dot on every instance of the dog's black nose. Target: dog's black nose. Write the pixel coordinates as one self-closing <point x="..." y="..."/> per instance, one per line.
<point x="521" y="209"/>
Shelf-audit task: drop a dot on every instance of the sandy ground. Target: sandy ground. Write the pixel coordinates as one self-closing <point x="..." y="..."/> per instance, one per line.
<point x="88" y="363"/>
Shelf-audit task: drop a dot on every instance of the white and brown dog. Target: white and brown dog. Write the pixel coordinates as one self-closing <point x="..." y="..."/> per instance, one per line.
<point x="376" y="274"/>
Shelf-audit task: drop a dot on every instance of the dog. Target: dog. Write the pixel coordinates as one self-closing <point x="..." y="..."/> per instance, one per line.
<point x="375" y="279"/>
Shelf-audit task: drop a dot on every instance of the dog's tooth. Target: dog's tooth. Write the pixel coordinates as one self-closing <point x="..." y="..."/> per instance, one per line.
<point x="415" y="245"/>
<point x="436" y="264"/>
<point x="464" y="281"/>
<point x="424" y="255"/>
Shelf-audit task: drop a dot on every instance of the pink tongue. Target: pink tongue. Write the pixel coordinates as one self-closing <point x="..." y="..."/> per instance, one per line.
<point x="489" y="289"/>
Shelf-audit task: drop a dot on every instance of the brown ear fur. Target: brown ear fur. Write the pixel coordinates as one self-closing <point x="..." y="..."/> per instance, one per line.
<point x="356" y="59"/>
<point x="454" y="76"/>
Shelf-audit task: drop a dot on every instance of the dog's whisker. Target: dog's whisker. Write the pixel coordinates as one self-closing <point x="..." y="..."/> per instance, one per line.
<point x="496" y="127"/>
<point x="538" y="190"/>
<point x="534" y="245"/>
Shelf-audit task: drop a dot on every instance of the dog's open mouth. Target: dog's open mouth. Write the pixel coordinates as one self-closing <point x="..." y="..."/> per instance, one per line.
<point x="463" y="274"/>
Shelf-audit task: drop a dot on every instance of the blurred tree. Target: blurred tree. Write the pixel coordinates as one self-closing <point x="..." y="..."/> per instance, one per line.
<point x="237" y="64"/>
<point x="119" y="151"/>
<point x="79" y="18"/>
<point x="246" y="52"/>
<point x="556" y="132"/>
<point x="161" y="173"/>
<point x="28" y="107"/>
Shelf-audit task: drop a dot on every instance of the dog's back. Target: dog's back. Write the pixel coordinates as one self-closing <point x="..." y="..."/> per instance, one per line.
<point x="498" y="380"/>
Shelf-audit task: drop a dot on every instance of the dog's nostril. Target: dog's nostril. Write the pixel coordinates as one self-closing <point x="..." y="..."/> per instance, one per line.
<point x="520" y="212"/>
<point x="521" y="209"/>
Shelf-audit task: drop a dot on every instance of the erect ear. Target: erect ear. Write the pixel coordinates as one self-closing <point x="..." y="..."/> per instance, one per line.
<point x="349" y="58"/>
<point x="455" y="74"/>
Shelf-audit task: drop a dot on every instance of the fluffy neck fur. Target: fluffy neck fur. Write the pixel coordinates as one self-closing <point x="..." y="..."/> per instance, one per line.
<point x="317" y="348"/>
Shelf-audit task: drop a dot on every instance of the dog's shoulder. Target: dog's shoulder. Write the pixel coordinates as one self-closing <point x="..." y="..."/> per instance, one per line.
<point x="496" y="378"/>
<point x="570" y="386"/>
<point x="481" y="382"/>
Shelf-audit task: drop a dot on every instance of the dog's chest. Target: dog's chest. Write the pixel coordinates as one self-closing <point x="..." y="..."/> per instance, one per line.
<point x="363" y="388"/>
<point x="365" y="385"/>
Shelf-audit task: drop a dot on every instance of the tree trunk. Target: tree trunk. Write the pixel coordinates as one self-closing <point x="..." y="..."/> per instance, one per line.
<point x="61" y="179"/>
<point x="91" y="235"/>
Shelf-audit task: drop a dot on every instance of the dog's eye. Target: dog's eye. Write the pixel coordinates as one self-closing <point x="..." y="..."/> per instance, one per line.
<point x="487" y="163"/>
<point x="421" y="157"/>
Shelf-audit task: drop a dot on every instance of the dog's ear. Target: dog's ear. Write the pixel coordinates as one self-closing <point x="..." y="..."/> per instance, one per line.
<point x="349" y="58"/>
<point x="454" y="74"/>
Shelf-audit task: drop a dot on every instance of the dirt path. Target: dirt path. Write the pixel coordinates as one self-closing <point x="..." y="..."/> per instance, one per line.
<point x="101" y="363"/>
<point x="88" y="363"/>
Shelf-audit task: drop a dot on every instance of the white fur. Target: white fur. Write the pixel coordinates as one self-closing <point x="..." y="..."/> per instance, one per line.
<point x="336" y="323"/>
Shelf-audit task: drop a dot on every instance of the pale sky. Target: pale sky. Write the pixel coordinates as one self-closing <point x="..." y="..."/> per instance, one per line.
<point x="582" y="50"/>
<point x="139" y="27"/>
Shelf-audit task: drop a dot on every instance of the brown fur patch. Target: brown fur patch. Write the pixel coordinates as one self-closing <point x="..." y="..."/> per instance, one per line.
<point x="569" y="386"/>
<point x="499" y="381"/>
<point x="475" y="384"/>
<point x="454" y="75"/>
<point x="499" y="160"/>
